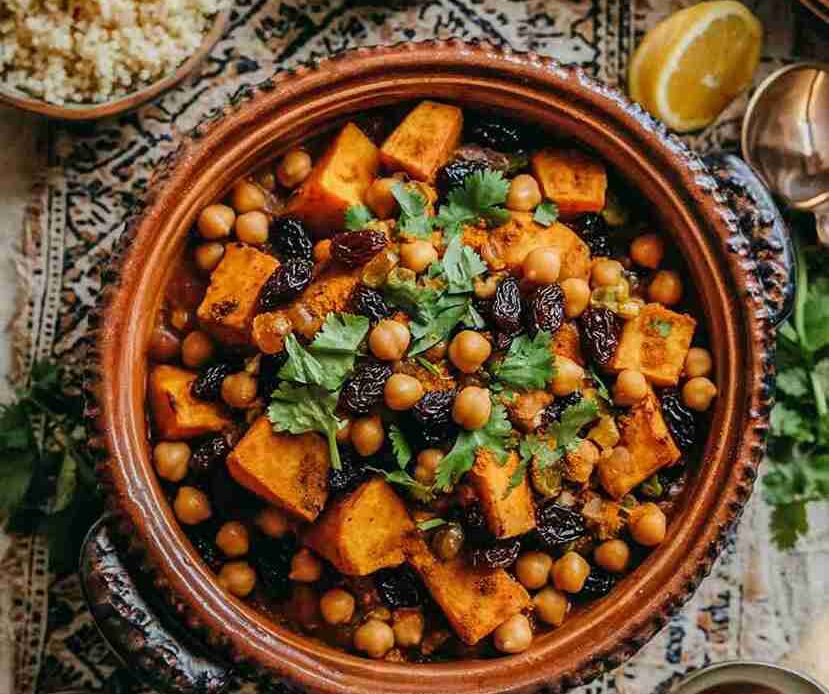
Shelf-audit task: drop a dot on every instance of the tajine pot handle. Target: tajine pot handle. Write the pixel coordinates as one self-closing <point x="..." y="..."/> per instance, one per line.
<point x="135" y="627"/>
<point x="760" y="222"/>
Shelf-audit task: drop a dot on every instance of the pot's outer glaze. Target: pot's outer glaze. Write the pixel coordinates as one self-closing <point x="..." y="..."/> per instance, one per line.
<point x="288" y="109"/>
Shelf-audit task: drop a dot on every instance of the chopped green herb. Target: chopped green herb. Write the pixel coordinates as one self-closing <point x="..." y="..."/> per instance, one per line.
<point x="400" y="447"/>
<point x="479" y="198"/>
<point x="461" y="265"/>
<point x="546" y="213"/>
<point x="566" y="430"/>
<point x="531" y="447"/>
<point x="652" y="487"/>
<point x="430" y="524"/>
<point x="601" y="387"/>
<point x="663" y="327"/>
<point x="413" y="221"/>
<point x="528" y="363"/>
<point x="401" y="478"/>
<point x="357" y="217"/>
<point x="429" y="366"/>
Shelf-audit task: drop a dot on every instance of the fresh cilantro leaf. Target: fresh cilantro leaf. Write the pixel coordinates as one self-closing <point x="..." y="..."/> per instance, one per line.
<point x="357" y="217"/>
<point x="430" y="524"/>
<point x="461" y="265"/>
<point x="495" y="435"/>
<point x="429" y="366"/>
<point x="601" y="387"/>
<point x="528" y="363"/>
<point x="413" y="221"/>
<point x="401" y="478"/>
<point x="546" y="213"/>
<point x="566" y="430"/>
<point x="816" y="315"/>
<point x="479" y="198"/>
<point x="437" y="321"/>
<point x="531" y="447"/>
<point x="301" y="366"/>
<point x="19" y="455"/>
<point x="788" y="422"/>
<point x="793" y="382"/>
<point x="298" y="409"/>
<point x="341" y="333"/>
<point x="401" y="290"/>
<point x="401" y="448"/>
<point x="788" y="523"/>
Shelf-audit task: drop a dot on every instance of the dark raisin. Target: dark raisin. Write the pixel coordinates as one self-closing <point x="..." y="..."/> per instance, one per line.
<point x="209" y="454"/>
<point x="202" y="537"/>
<point x="499" y="133"/>
<point x="208" y="384"/>
<point x="289" y="238"/>
<point x="370" y="303"/>
<point x="454" y="174"/>
<point x="497" y="556"/>
<point x="546" y="309"/>
<point x="506" y="307"/>
<point x="400" y="587"/>
<point x="352" y="471"/>
<point x="471" y="518"/>
<point x="557" y="525"/>
<point x="501" y="341"/>
<point x="598" y="583"/>
<point x="354" y="248"/>
<point x="229" y="498"/>
<point x="286" y="283"/>
<point x="268" y="378"/>
<point x="432" y="416"/>
<point x="553" y="411"/>
<point x="593" y="230"/>
<point x="680" y="420"/>
<point x="272" y="562"/>
<point x="600" y="330"/>
<point x="364" y="389"/>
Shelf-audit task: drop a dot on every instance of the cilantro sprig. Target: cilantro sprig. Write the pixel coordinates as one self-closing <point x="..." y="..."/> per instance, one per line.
<point x="528" y="363"/>
<point x="546" y="213"/>
<point x="479" y="198"/>
<point x="413" y="221"/>
<point x="358" y="217"/>
<point x="401" y="477"/>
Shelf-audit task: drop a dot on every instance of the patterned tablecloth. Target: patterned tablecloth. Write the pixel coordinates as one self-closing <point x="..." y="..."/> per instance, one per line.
<point x="756" y="602"/>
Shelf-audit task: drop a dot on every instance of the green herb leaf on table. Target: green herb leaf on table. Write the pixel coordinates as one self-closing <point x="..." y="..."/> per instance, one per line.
<point x="546" y="213"/>
<point x="357" y="217"/>
<point x="528" y="363"/>
<point x="413" y="221"/>
<point x="479" y="198"/>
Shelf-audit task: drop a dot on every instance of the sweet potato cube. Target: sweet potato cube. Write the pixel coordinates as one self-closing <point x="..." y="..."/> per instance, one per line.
<point x="364" y="531"/>
<point x="287" y="470"/>
<point x="176" y="413"/>
<point x="475" y="600"/>
<point x="338" y="180"/>
<point x="656" y="343"/>
<point x="508" y="512"/>
<point x="229" y="304"/>
<point x="649" y="442"/>
<point x="574" y="180"/>
<point x="424" y="141"/>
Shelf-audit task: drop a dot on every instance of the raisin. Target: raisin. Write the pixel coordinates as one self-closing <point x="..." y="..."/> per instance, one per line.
<point x="598" y="583"/>
<point x="499" y="133"/>
<point x="506" y="307"/>
<point x="202" y="538"/>
<point x="370" y="303"/>
<point x="593" y="230"/>
<point x="272" y="562"/>
<point x="557" y="525"/>
<point x="553" y="411"/>
<point x="208" y="384"/>
<point x="286" y="283"/>
<point x="501" y="341"/>
<point x="268" y="378"/>
<point x="209" y="454"/>
<point x="229" y="498"/>
<point x="289" y="238"/>
<point x="547" y="309"/>
<point x="679" y="419"/>
<point x="400" y="587"/>
<point x="352" y="471"/>
<point x="432" y="416"/>
<point x="364" y="389"/>
<point x="454" y="174"/>
<point x="354" y="248"/>
<point x="497" y="556"/>
<point x="471" y="518"/>
<point x="600" y="334"/>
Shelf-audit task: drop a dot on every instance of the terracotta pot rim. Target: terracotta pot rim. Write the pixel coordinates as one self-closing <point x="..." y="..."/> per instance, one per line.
<point x="729" y="463"/>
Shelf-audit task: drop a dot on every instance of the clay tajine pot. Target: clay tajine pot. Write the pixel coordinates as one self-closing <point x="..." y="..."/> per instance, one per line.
<point x="686" y="203"/>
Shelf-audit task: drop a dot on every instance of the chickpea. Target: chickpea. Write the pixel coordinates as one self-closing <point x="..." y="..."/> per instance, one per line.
<point x="322" y="251"/>
<point x="215" y="222"/>
<point x="374" y="638"/>
<point x="337" y="606"/>
<point x="606" y="273"/>
<point x="427" y="465"/>
<point x="407" y="625"/>
<point x="380" y="199"/>
<point x="647" y="250"/>
<point x="402" y="392"/>
<point x="191" y="506"/>
<point x="417" y="255"/>
<point x="233" y="539"/>
<point x="649" y="528"/>
<point x="239" y="389"/>
<point x="305" y="567"/>
<point x="180" y="318"/>
<point x="524" y="194"/>
<point x="472" y="407"/>
<point x="389" y="340"/>
<point x="665" y="288"/>
<point x="698" y="392"/>
<point x="237" y="578"/>
<point x="532" y="569"/>
<point x="618" y="458"/>
<point x="576" y="296"/>
<point x="551" y="606"/>
<point x="485" y="286"/>
<point x="613" y="556"/>
<point x="542" y="265"/>
<point x="294" y="168"/>
<point x="252" y="227"/>
<point x="343" y="434"/>
<point x="570" y="572"/>
<point x="448" y="541"/>
<point x="469" y="350"/>
<point x="197" y="349"/>
<point x="568" y="377"/>
<point x="630" y="387"/>
<point x="208" y="255"/>
<point x="513" y="636"/>
<point x="246" y="197"/>
<point x="272" y="522"/>
<point x="367" y="435"/>
<point x="698" y="362"/>
<point x="164" y="344"/>
<point x="171" y="460"/>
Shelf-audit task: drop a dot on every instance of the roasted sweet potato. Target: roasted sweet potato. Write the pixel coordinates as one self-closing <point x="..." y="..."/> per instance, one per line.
<point x="656" y="343"/>
<point x="474" y="600"/>
<point x="567" y="343"/>
<point x="229" y="304"/>
<point x="364" y="531"/>
<point x="651" y="447"/>
<point x="575" y="181"/>
<point x="338" y="180"/>
<point x="424" y="141"/>
<point x="508" y="512"/>
<point x="176" y="413"/>
<point x="288" y="470"/>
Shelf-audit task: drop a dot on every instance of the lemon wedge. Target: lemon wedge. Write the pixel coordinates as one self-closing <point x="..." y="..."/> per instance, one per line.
<point x="690" y="66"/>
